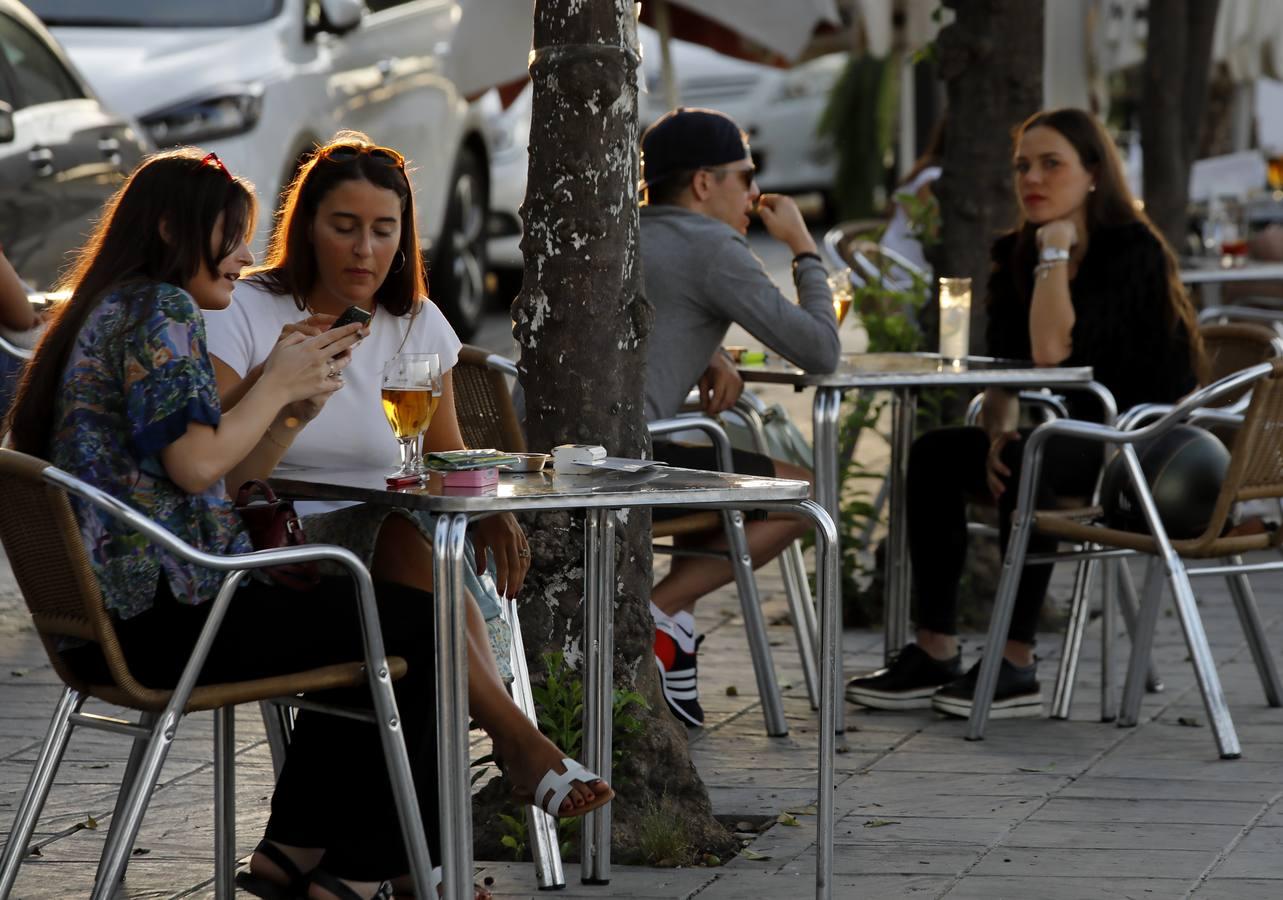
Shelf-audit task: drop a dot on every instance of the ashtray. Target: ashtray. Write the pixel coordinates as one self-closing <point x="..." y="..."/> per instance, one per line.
<point x="528" y="462"/>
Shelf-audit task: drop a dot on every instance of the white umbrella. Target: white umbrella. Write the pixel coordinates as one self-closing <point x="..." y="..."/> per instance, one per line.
<point x="491" y="46"/>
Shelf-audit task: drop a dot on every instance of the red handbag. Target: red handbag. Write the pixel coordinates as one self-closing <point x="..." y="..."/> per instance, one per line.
<point x="272" y="523"/>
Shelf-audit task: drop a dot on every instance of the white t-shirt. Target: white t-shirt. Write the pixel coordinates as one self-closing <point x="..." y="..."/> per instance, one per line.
<point x="351" y="429"/>
<point x="899" y="235"/>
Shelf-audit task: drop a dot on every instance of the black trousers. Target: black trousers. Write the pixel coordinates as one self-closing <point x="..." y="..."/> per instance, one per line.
<point x="947" y="469"/>
<point x="333" y="791"/>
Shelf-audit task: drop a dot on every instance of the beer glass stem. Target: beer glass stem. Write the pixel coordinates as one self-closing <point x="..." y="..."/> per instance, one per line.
<point x="409" y="455"/>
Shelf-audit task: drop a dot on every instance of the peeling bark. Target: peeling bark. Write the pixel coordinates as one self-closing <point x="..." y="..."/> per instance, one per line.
<point x="582" y="322"/>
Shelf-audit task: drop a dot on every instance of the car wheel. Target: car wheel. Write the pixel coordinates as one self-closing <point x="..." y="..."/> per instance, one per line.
<point x="457" y="277"/>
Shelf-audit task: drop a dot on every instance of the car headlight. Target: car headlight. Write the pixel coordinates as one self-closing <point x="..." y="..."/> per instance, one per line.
<point x="232" y="111"/>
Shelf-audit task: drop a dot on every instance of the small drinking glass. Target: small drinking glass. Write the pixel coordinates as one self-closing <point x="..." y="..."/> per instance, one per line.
<point x="411" y="393"/>
<point x="843" y="293"/>
<point x="955" y="318"/>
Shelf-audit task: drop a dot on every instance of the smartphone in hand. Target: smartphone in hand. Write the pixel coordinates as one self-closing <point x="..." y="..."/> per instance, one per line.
<point x="352" y="314"/>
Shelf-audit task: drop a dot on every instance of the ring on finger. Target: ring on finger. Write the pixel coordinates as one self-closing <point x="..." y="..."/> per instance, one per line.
<point x="333" y="373"/>
<point x="524" y="553"/>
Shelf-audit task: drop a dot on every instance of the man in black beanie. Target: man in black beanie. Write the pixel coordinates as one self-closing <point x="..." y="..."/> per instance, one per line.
<point x="701" y="277"/>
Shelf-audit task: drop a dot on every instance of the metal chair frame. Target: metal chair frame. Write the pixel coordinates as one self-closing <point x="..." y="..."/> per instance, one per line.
<point x="797" y="589"/>
<point x="741" y="562"/>
<point x="1167" y="556"/>
<point x="153" y="734"/>
<point x="1118" y="585"/>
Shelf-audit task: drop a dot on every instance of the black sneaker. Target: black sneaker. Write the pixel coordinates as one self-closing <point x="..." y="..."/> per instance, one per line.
<point x="908" y="683"/>
<point x="677" y="672"/>
<point x="1017" y="696"/>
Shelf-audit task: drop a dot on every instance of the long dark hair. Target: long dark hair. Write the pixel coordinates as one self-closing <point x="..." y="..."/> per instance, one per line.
<point x="290" y="267"/>
<point x="1111" y="204"/>
<point x="183" y="189"/>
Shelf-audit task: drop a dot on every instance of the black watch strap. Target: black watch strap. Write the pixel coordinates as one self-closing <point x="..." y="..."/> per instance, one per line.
<point x="805" y="255"/>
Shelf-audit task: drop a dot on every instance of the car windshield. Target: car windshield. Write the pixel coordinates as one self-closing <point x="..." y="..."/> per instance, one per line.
<point x="154" y="13"/>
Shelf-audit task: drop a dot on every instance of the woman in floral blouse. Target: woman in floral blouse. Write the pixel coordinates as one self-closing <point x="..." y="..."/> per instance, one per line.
<point x="135" y="412"/>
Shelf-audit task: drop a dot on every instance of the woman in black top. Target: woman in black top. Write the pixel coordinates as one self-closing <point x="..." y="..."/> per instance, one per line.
<point x="1084" y="280"/>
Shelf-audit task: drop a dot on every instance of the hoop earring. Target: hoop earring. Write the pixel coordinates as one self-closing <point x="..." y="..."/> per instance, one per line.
<point x="401" y="265"/>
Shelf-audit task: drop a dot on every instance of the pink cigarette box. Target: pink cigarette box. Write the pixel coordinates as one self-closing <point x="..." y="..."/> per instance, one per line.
<point x="471" y="478"/>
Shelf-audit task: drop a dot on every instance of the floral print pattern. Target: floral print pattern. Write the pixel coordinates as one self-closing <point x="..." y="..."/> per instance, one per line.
<point x="136" y="377"/>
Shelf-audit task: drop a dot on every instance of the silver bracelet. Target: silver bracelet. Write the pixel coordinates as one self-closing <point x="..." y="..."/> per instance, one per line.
<point x="1043" y="268"/>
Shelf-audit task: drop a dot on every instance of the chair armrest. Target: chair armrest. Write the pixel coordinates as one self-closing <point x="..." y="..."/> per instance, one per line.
<point x="1176" y="413"/>
<point x="502" y="364"/>
<point x="236" y="562"/>
<point x="14" y="350"/>
<point x="1032" y="398"/>
<point x="1241" y="314"/>
<point x="712" y="428"/>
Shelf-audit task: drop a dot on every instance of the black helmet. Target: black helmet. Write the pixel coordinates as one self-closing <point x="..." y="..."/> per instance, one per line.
<point x="1184" y="468"/>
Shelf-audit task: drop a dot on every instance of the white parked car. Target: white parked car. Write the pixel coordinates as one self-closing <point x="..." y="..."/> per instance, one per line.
<point x="779" y="108"/>
<point x="261" y="81"/>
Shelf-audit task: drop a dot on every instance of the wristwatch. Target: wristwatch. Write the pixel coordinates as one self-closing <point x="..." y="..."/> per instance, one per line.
<point x="805" y="255"/>
<point x="1053" y="255"/>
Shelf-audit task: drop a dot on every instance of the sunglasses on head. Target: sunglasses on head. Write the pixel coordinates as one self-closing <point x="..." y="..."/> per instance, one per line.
<point x="348" y="152"/>
<point x="212" y="160"/>
<point x="746" y="176"/>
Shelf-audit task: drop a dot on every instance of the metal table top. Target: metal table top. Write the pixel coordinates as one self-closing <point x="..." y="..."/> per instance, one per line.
<point x="890" y="370"/>
<point x="655" y="486"/>
<point x="1212" y="272"/>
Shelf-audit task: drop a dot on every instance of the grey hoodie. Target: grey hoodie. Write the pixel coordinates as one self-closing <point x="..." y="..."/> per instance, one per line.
<point x="701" y="277"/>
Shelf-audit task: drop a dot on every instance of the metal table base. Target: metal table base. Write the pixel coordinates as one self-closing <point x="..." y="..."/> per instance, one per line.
<point x="698" y="490"/>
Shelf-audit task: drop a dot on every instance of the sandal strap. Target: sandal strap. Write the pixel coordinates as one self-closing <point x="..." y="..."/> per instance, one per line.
<point x="561" y="783"/>
<point x="296" y="878"/>
<point x="343" y="892"/>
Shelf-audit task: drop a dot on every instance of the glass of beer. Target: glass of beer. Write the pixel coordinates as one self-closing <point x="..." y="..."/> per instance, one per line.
<point x="411" y="392"/>
<point x="843" y="293"/>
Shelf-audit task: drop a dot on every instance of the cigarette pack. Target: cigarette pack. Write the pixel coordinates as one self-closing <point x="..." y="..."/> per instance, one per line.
<point x="565" y="456"/>
<point x="470" y="478"/>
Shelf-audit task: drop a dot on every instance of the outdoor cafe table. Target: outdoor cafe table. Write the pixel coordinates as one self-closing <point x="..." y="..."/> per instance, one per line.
<point x="599" y="494"/>
<point x="1210" y="275"/>
<point x="904" y="375"/>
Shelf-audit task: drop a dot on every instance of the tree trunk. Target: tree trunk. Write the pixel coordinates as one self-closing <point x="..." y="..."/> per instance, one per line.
<point x="582" y="322"/>
<point x="990" y="59"/>
<point x="1174" y="97"/>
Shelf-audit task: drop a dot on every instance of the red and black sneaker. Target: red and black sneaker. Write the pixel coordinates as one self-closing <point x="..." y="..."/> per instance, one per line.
<point x="677" y="675"/>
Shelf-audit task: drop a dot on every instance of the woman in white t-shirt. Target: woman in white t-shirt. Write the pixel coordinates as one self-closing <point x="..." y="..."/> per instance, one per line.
<point x="346" y="236"/>
<point x="901" y="233"/>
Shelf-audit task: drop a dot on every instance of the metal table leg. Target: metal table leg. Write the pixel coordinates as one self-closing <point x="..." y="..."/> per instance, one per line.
<point x="830" y="598"/>
<point x="824" y="423"/>
<point x="831" y="705"/>
<point x="599" y="654"/>
<point x="452" y="708"/>
<point x="549" y="874"/>
<point x="896" y="609"/>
